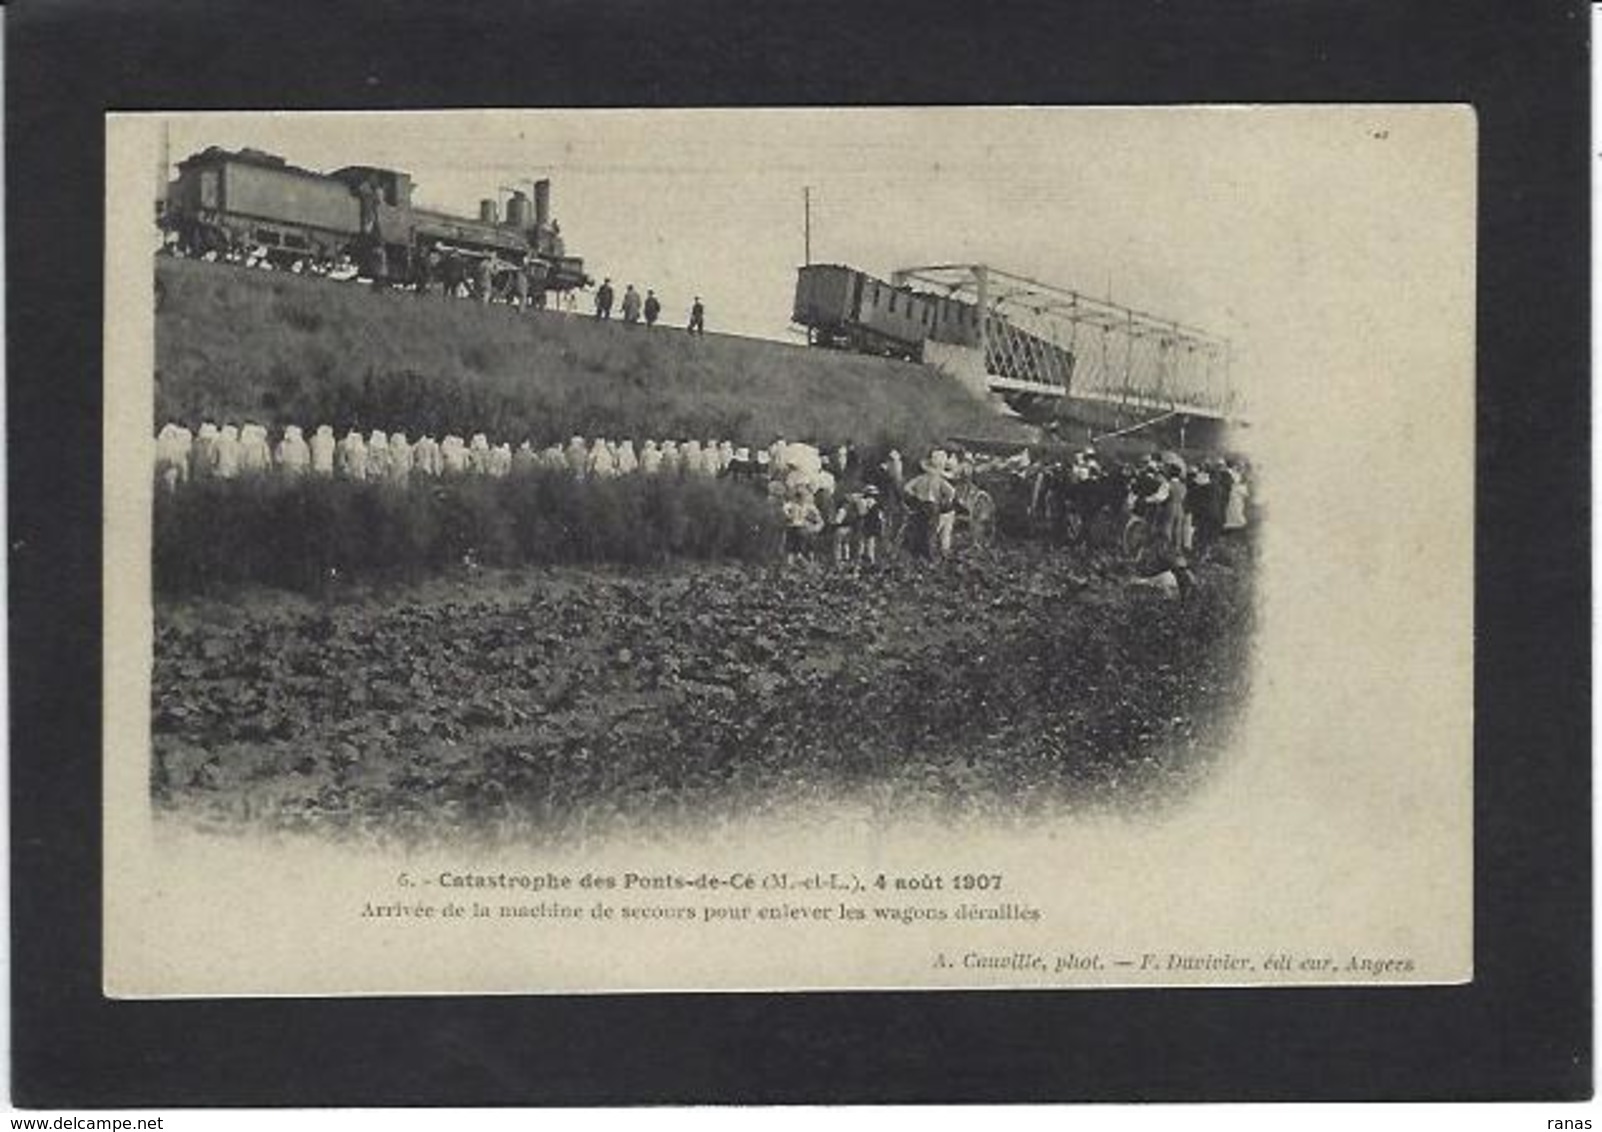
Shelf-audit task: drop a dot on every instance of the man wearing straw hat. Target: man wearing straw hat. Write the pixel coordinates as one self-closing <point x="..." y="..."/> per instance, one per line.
<point x="934" y="505"/>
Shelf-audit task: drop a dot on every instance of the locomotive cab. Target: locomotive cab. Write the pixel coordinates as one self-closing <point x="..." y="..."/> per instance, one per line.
<point x="393" y="188"/>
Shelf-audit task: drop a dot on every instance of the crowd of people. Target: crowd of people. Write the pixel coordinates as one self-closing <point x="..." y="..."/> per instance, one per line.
<point x="833" y="508"/>
<point x="632" y="308"/>
<point x="1184" y="507"/>
<point x="832" y="512"/>
<point x="1190" y="507"/>
<point x="233" y="451"/>
<point x="838" y="504"/>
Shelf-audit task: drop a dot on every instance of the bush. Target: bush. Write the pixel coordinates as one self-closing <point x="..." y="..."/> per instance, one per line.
<point x="299" y="533"/>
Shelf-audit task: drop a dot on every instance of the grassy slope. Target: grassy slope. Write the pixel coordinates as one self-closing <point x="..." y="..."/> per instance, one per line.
<point x="282" y="349"/>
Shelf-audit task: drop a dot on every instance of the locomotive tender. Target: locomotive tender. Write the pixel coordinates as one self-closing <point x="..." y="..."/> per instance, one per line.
<point x="849" y="309"/>
<point x="224" y="199"/>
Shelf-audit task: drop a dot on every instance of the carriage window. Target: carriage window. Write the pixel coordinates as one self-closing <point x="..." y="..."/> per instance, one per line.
<point x="892" y="302"/>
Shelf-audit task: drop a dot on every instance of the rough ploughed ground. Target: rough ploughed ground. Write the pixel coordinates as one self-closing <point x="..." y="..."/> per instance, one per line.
<point x="544" y="704"/>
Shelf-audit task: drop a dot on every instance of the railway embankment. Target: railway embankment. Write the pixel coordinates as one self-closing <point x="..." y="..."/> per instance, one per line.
<point x="237" y="344"/>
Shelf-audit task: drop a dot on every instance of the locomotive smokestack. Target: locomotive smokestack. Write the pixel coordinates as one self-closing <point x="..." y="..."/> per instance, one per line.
<point x="488" y="211"/>
<point x="542" y="202"/>
<point x="518" y="211"/>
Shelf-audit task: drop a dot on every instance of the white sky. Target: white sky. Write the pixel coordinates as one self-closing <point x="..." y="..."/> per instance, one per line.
<point x="1275" y="227"/>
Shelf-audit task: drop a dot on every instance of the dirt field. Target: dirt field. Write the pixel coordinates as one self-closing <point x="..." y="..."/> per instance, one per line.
<point x="554" y="703"/>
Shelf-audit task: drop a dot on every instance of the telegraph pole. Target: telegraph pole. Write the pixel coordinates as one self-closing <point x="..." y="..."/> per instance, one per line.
<point x="806" y="234"/>
<point x="806" y="205"/>
<point x="165" y="172"/>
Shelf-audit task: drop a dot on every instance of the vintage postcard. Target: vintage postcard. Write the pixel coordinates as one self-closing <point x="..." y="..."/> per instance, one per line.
<point x="906" y="548"/>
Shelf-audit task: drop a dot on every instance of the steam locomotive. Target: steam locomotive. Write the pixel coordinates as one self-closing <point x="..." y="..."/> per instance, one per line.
<point x="297" y="219"/>
<point x="849" y="309"/>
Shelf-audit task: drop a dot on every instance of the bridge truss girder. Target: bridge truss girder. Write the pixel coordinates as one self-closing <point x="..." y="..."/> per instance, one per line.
<point x="1121" y="353"/>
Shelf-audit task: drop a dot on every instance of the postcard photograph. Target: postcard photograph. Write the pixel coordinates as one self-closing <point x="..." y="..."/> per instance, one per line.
<point x="639" y="550"/>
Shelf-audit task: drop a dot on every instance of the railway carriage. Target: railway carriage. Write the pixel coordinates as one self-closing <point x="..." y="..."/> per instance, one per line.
<point x="850" y="309"/>
<point x="953" y="321"/>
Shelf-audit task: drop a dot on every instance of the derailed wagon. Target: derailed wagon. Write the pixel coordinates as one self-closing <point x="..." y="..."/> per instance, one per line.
<point x="843" y="308"/>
